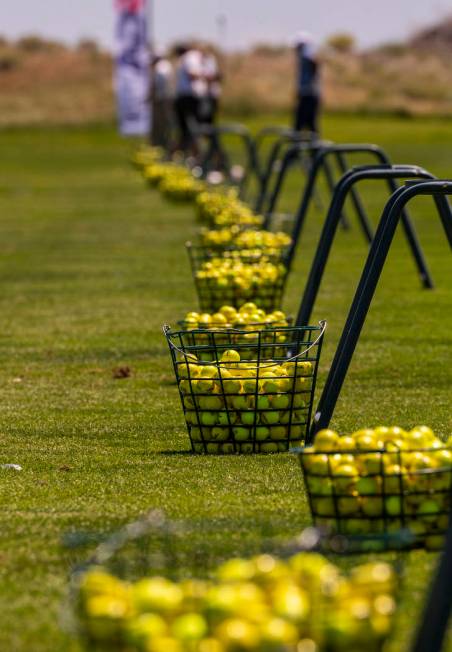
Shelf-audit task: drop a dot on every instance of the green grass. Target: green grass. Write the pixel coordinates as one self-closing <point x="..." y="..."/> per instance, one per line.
<point x="92" y="265"/>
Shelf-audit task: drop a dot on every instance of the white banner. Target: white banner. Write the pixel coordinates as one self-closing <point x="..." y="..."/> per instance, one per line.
<point x="132" y="76"/>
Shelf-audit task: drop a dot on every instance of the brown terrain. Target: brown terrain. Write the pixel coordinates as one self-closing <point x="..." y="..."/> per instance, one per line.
<point x="44" y="82"/>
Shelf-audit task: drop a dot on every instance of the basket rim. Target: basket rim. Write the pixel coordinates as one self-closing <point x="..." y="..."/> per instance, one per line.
<point x="170" y="332"/>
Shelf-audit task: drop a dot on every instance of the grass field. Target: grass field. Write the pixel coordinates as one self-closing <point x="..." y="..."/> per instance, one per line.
<point x="92" y="265"/>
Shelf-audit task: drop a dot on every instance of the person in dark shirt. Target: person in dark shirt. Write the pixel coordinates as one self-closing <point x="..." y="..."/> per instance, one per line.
<point x="308" y="84"/>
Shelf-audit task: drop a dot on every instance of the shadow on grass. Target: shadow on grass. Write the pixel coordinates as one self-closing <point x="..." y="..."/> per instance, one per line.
<point x="177" y="453"/>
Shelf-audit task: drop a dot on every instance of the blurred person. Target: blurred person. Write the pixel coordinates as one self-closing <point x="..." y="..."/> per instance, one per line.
<point x="190" y="88"/>
<point x="209" y="105"/>
<point x="162" y="97"/>
<point x="308" y="84"/>
<point x="212" y="76"/>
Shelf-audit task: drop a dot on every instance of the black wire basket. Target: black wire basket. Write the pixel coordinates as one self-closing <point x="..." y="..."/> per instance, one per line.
<point x="149" y="579"/>
<point x="388" y="496"/>
<point x="238" y="276"/>
<point x="242" y="395"/>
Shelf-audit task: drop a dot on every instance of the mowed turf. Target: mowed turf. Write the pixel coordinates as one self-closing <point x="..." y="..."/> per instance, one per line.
<point x="92" y="264"/>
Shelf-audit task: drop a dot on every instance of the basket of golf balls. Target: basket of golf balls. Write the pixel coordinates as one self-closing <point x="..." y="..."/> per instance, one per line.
<point x="147" y="155"/>
<point x="236" y="237"/>
<point x="219" y="210"/>
<point x="248" y="318"/>
<point x="174" y="181"/>
<point x="180" y="188"/>
<point x="253" y="602"/>
<point x="236" y="277"/>
<point x="258" y="404"/>
<point x="379" y="481"/>
<point x="160" y="171"/>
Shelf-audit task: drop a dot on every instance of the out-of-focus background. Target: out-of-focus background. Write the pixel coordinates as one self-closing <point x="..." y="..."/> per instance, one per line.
<point x="56" y="60"/>
<point x="92" y="264"/>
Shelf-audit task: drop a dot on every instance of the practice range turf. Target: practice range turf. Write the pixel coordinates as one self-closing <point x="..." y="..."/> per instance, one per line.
<point x="92" y="265"/>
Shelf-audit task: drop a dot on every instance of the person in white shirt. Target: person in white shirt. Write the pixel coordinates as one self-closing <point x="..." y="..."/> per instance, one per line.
<point x="208" y="107"/>
<point x="212" y="77"/>
<point x="162" y="96"/>
<point x="191" y="86"/>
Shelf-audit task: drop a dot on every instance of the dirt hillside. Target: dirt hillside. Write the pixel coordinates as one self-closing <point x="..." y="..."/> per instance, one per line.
<point x="46" y="82"/>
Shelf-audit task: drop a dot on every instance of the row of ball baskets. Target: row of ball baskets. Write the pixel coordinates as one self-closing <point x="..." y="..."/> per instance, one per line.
<point x="246" y="379"/>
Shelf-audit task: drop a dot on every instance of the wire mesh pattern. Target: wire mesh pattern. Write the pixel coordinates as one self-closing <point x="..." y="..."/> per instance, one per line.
<point x="245" y="392"/>
<point x="392" y="494"/>
<point x="238" y="276"/>
<point x="165" y="573"/>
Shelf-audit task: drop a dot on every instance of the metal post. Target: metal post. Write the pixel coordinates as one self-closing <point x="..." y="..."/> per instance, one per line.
<point x="290" y="156"/>
<point x="359" y="208"/>
<point x="443" y="208"/>
<point x="413" y="243"/>
<point x="286" y="139"/>
<point x="366" y="289"/>
<point x="266" y="175"/>
<point x="432" y="630"/>
<point x="331" y="185"/>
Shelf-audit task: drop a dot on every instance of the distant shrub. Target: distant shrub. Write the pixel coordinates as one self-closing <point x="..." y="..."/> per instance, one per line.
<point x="9" y="59"/>
<point x="393" y="49"/>
<point x="3" y="41"/>
<point x="33" y="43"/>
<point x="341" y="42"/>
<point x="269" y="50"/>
<point x="88" y="46"/>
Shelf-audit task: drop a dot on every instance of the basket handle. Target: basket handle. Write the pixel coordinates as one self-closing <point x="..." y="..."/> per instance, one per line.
<point x="322" y="323"/>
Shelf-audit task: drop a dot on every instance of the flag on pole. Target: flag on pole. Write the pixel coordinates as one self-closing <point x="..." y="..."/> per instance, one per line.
<point x="132" y="75"/>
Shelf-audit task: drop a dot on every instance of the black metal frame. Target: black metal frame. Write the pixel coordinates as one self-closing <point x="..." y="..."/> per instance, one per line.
<point x="343" y="188"/>
<point x="432" y="629"/>
<point x="379" y="250"/>
<point x="297" y="151"/>
<point x="320" y="162"/>
<point x="296" y="142"/>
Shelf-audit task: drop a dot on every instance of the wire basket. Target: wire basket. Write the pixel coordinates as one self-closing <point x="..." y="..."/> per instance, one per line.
<point x="163" y="585"/>
<point x="389" y="495"/>
<point x="238" y="276"/>
<point x="248" y="397"/>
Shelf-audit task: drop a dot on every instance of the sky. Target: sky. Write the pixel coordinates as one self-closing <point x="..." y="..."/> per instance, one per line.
<point x="247" y="21"/>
